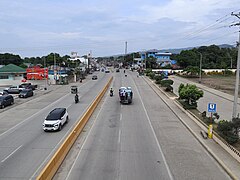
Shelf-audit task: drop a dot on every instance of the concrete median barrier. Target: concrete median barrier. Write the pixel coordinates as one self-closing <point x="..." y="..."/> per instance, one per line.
<point x="52" y="166"/>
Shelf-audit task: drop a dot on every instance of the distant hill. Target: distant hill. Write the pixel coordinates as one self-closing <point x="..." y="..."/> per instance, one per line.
<point x="177" y="51"/>
<point x="174" y="51"/>
<point x="226" y="46"/>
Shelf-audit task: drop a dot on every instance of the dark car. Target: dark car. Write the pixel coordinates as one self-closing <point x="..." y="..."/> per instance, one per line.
<point x="26" y="93"/>
<point x="6" y="100"/>
<point x="27" y="86"/>
<point x="94" y="77"/>
<point x="74" y="89"/>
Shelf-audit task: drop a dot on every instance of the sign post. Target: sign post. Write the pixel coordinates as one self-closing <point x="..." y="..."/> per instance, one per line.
<point x="212" y="107"/>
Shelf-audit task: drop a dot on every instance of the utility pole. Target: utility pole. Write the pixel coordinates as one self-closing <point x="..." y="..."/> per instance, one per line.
<point x="200" y="71"/>
<point x="55" y="69"/>
<point x="125" y="51"/>
<point x="89" y="60"/>
<point x="234" y="114"/>
<point x="125" y="47"/>
<point x="45" y="76"/>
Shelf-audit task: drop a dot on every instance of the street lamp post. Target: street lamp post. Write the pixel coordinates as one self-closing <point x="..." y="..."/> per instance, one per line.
<point x="235" y="103"/>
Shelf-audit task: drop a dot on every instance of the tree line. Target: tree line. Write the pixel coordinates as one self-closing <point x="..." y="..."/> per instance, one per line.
<point x="213" y="57"/>
<point x="48" y="60"/>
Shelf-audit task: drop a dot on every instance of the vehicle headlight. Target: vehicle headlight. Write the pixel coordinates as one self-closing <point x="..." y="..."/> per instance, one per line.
<point x="56" y="125"/>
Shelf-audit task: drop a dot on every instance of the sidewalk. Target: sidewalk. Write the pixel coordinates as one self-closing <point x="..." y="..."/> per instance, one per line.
<point x="224" y="159"/>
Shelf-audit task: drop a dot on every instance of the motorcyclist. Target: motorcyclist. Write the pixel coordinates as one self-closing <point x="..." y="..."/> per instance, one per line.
<point x="76" y="98"/>
<point x="111" y="92"/>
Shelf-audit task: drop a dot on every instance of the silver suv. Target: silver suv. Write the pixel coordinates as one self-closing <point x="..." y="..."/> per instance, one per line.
<point x="56" y="119"/>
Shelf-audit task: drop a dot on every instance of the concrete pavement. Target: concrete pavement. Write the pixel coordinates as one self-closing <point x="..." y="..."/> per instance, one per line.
<point x="145" y="140"/>
<point x="215" y="150"/>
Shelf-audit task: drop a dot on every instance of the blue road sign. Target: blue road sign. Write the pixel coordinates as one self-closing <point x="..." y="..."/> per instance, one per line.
<point x="212" y="107"/>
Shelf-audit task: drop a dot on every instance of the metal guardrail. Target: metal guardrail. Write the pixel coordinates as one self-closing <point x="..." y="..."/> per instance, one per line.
<point x="52" y="166"/>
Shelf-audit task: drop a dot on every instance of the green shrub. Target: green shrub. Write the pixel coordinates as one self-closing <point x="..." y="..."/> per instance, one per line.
<point x="190" y="93"/>
<point x="169" y="89"/>
<point x="166" y="82"/>
<point x="158" y="78"/>
<point x="147" y="71"/>
<point x="181" y="86"/>
<point x="225" y="130"/>
<point x="227" y="72"/>
<point x="186" y="105"/>
<point x="152" y="75"/>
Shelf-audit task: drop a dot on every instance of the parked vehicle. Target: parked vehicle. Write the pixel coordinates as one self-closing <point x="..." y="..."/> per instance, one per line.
<point x="56" y="119"/>
<point x="26" y="93"/>
<point x="6" y="100"/>
<point x="117" y="70"/>
<point x="94" y="77"/>
<point x="28" y="86"/>
<point x="2" y="93"/>
<point x="107" y="71"/>
<point x="14" y="89"/>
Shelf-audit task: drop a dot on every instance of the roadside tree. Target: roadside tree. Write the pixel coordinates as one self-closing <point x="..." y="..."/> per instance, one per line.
<point x="167" y="83"/>
<point x="190" y="94"/>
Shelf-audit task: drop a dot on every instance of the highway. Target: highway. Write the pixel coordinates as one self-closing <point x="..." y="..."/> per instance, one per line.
<point x="144" y="140"/>
<point x="24" y="147"/>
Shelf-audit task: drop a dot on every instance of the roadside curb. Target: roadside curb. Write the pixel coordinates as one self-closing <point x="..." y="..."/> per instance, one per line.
<point x="189" y="114"/>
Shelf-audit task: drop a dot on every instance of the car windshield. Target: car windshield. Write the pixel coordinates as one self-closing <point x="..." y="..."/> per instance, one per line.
<point x="53" y="116"/>
<point x="24" y="91"/>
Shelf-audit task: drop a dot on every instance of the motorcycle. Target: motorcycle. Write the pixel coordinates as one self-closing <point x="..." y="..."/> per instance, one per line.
<point x="111" y="93"/>
<point x="76" y="99"/>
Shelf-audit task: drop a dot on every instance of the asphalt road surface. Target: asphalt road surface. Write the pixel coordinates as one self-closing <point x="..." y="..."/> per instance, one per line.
<point x="24" y="147"/>
<point x="143" y="140"/>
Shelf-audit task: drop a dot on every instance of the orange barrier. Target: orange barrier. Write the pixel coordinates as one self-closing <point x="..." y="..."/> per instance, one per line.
<point x="51" y="168"/>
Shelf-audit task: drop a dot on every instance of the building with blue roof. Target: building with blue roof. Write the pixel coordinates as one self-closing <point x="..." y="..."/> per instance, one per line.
<point x="163" y="58"/>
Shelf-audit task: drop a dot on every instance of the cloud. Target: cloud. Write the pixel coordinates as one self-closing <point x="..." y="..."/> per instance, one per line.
<point x="104" y="26"/>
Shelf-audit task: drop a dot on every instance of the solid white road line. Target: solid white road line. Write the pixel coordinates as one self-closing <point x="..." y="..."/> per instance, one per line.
<point x="14" y="127"/>
<point x="119" y="136"/>
<point x="11" y="154"/>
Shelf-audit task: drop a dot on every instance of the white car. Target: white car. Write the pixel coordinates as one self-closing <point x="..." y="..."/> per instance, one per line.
<point x="2" y="93"/>
<point x="56" y="119"/>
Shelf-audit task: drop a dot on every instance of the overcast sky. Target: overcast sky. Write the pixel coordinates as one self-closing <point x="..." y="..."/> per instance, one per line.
<point x="38" y="27"/>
